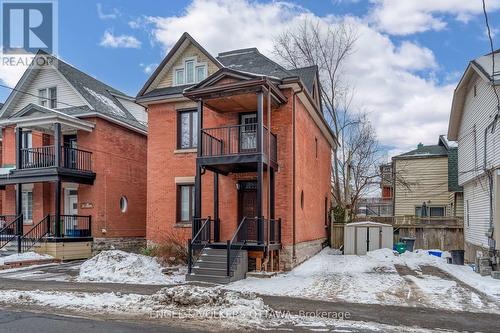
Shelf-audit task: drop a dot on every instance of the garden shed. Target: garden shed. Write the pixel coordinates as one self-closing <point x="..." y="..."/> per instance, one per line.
<point x="361" y="237"/>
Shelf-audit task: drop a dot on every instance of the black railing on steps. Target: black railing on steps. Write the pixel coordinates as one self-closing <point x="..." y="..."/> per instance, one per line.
<point x="233" y="247"/>
<point x="202" y="238"/>
<point x="8" y="228"/>
<point x="40" y="230"/>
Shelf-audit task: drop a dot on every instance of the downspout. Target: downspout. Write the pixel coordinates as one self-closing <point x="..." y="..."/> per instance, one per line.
<point x="294" y="233"/>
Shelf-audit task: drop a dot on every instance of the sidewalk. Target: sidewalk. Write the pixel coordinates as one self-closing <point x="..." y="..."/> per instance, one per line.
<point x="391" y="315"/>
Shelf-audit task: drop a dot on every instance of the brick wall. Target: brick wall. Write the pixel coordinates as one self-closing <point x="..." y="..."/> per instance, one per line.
<point x="313" y="175"/>
<point x="119" y="161"/>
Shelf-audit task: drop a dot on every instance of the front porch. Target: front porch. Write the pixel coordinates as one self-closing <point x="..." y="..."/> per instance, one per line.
<point x="248" y="148"/>
<point x="42" y="187"/>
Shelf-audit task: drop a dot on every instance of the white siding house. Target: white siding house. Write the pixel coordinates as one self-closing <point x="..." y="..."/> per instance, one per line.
<point x="474" y="110"/>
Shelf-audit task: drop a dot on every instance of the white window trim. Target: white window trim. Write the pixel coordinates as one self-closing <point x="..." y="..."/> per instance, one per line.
<point x="183" y="67"/>
<point x="47" y="96"/>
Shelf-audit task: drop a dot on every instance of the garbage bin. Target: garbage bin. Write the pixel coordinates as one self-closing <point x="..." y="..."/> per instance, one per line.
<point x="401" y="247"/>
<point x="457" y="257"/>
<point x="409" y="242"/>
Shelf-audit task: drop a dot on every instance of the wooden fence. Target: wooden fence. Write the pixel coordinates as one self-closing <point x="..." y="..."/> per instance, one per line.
<point x="429" y="233"/>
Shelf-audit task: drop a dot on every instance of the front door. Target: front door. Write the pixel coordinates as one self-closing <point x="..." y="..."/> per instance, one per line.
<point x="70" y="221"/>
<point x="69" y="154"/>
<point x="248" y="132"/>
<point x="247" y="207"/>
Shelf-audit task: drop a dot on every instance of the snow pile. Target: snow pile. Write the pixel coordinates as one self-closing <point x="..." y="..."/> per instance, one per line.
<point x="223" y="309"/>
<point x="122" y="267"/>
<point x="201" y="303"/>
<point x="107" y="101"/>
<point x="27" y="256"/>
<point x="383" y="277"/>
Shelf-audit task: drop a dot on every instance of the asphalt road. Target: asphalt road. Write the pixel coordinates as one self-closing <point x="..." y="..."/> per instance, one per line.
<point x="24" y="321"/>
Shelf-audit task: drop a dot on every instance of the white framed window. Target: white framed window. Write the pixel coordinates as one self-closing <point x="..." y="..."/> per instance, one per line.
<point x="190" y="72"/>
<point x="179" y="76"/>
<point x="189" y="69"/>
<point x="48" y="97"/>
<point x="201" y="73"/>
<point x="27" y="199"/>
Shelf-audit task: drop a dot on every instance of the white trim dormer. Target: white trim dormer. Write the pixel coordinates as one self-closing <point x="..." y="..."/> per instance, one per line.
<point x="180" y="73"/>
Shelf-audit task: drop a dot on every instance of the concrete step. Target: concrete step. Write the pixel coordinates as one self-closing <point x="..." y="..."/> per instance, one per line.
<point x="211" y="264"/>
<point x="213" y="257"/>
<point x="208" y="278"/>
<point x="209" y="271"/>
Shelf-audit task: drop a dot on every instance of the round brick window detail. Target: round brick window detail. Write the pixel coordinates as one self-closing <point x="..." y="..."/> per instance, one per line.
<point x="123" y="204"/>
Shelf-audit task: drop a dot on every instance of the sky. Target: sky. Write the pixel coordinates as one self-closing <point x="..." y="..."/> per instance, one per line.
<point x="408" y="57"/>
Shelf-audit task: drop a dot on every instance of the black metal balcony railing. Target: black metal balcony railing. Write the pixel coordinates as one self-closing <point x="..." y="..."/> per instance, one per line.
<point x="258" y="230"/>
<point x="43" y="157"/>
<point x="235" y="140"/>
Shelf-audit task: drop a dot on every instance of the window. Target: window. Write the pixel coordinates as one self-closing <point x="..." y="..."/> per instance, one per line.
<point x="475" y="90"/>
<point x="179" y="76"/>
<point x="190" y="72"/>
<point x="187" y="129"/>
<point x="123" y="204"/>
<point x="185" y="202"/>
<point x="302" y="199"/>
<point x="201" y="73"/>
<point x="27" y="140"/>
<point x="48" y="97"/>
<point x="42" y="97"/>
<point x="436" y="211"/>
<point x="189" y="67"/>
<point x="27" y="199"/>
<point x="431" y="211"/>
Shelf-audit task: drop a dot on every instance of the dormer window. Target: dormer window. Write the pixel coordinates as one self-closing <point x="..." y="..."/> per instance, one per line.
<point x="48" y="97"/>
<point x="191" y="72"/>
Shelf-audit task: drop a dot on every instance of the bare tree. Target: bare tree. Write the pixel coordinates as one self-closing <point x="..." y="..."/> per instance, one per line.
<point x="328" y="46"/>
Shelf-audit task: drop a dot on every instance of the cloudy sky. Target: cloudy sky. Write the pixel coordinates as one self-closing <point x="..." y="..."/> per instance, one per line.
<point x="408" y="59"/>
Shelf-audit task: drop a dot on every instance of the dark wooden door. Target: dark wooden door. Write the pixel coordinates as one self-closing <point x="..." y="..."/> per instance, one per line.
<point x="247" y="207"/>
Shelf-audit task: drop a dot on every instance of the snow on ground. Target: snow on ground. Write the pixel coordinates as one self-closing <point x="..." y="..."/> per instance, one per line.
<point x="27" y="256"/>
<point x="122" y="267"/>
<point x="383" y="277"/>
<point x="222" y="308"/>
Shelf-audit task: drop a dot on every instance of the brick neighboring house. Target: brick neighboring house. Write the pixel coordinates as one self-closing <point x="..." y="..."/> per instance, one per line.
<point x="428" y="174"/>
<point x="214" y="166"/>
<point x="73" y="151"/>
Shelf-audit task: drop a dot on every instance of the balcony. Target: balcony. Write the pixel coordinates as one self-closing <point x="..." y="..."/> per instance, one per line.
<point x="44" y="157"/>
<point x="234" y="148"/>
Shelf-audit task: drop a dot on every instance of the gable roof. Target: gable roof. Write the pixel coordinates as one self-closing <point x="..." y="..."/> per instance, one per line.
<point x="248" y="60"/>
<point x="163" y="65"/>
<point x="100" y="97"/>
<point x="482" y="67"/>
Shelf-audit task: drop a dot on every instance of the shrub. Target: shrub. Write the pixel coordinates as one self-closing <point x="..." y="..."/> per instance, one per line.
<point x="170" y="252"/>
<point x="339" y="214"/>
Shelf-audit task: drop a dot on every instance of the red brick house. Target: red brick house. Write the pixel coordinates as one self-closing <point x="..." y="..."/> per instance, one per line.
<point x="73" y="151"/>
<point x="239" y="159"/>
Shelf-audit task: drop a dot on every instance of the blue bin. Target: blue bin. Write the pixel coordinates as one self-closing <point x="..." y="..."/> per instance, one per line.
<point x="436" y="253"/>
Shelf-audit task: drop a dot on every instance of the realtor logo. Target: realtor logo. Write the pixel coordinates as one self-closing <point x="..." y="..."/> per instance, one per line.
<point x="28" y="26"/>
